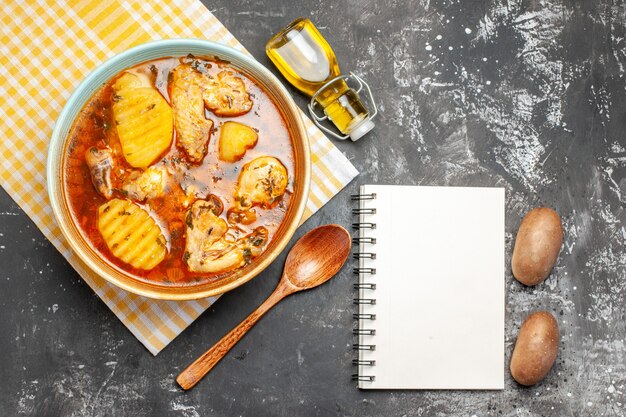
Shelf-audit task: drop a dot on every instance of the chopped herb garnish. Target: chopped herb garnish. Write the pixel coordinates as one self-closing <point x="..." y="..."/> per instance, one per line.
<point x="247" y="255"/>
<point x="257" y="241"/>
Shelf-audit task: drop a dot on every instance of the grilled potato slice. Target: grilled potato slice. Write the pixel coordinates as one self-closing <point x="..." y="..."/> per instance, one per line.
<point x="131" y="234"/>
<point x="143" y="119"/>
<point x="235" y="139"/>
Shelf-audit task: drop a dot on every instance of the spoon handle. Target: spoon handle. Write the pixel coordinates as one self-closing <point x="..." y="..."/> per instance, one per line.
<point x="201" y="366"/>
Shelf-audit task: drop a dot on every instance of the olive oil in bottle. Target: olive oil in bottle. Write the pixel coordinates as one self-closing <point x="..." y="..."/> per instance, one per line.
<point x="307" y="61"/>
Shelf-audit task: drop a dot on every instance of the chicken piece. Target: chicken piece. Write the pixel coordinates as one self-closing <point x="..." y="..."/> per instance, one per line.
<point x="227" y="96"/>
<point x="203" y="229"/>
<point x="208" y="248"/>
<point x="151" y="183"/>
<point x="192" y="128"/>
<point x="100" y="163"/>
<point x="191" y="91"/>
<point x="262" y="182"/>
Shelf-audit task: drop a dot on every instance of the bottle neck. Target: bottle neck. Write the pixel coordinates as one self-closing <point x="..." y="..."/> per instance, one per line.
<point x="343" y="106"/>
<point x="332" y="92"/>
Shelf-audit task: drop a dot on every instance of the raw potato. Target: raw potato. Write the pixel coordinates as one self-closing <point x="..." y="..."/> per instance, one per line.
<point x="537" y="246"/>
<point x="131" y="234"/>
<point x="535" y="349"/>
<point x="235" y="139"/>
<point x="143" y="119"/>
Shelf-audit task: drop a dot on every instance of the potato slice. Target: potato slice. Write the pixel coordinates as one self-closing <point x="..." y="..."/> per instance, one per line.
<point x="131" y="234"/>
<point x="143" y="119"/>
<point x="235" y="139"/>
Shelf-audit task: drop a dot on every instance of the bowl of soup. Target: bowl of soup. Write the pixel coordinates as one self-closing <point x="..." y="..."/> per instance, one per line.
<point x="179" y="169"/>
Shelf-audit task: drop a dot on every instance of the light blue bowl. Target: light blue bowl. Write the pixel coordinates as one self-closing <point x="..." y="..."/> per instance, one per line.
<point x="147" y="52"/>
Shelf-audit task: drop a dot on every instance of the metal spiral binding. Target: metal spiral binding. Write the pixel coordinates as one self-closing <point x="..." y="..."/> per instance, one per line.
<point x="367" y="332"/>
<point x="357" y="346"/>
<point x="359" y="240"/>
<point x="371" y="271"/>
<point x="364" y="286"/>
<point x="358" y="197"/>
<point x="360" y="286"/>
<point x="366" y="378"/>
<point x="358" y="316"/>
<point x="364" y="211"/>
<point x="370" y="301"/>
<point x="364" y="255"/>
<point x="362" y="362"/>
<point x="364" y="226"/>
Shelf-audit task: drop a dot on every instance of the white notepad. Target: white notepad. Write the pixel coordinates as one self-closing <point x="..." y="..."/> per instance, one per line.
<point x="436" y="314"/>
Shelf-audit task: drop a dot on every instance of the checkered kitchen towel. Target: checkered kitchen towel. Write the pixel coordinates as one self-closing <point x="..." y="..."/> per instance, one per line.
<point x="47" y="47"/>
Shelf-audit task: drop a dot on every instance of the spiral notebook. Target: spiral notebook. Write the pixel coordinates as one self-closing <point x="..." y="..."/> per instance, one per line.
<point x="430" y="287"/>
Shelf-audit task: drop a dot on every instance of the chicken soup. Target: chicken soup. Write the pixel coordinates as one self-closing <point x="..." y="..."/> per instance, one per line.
<point x="179" y="170"/>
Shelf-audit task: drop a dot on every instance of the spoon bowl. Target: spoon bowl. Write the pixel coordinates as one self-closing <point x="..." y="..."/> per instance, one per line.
<point x="314" y="259"/>
<point x="317" y="256"/>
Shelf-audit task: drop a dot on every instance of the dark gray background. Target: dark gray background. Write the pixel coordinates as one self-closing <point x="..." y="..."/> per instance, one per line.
<point x="530" y="97"/>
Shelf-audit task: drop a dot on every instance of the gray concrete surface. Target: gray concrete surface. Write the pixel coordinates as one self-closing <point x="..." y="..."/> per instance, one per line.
<point x="527" y="95"/>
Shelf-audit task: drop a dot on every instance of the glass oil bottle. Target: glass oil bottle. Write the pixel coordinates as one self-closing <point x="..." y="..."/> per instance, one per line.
<point x="307" y="61"/>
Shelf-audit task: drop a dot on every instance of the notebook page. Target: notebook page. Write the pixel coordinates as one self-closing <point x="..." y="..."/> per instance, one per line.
<point x="439" y="288"/>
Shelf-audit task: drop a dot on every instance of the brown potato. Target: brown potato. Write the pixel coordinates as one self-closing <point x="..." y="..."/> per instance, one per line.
<point x="537" y="246"/>
<point x="535" y="349"/>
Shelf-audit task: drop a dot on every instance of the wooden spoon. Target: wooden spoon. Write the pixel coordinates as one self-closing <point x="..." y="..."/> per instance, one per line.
<point x="312" y="261"/>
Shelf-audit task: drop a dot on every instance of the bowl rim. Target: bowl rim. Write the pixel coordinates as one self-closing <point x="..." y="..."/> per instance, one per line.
<point x="56" y="157"/>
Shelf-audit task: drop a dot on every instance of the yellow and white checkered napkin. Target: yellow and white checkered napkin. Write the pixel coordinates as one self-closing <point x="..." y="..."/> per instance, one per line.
<point x="47" y="48"/>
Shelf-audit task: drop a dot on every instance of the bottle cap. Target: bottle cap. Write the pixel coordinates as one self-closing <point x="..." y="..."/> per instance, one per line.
<point x="361" y="129"/>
